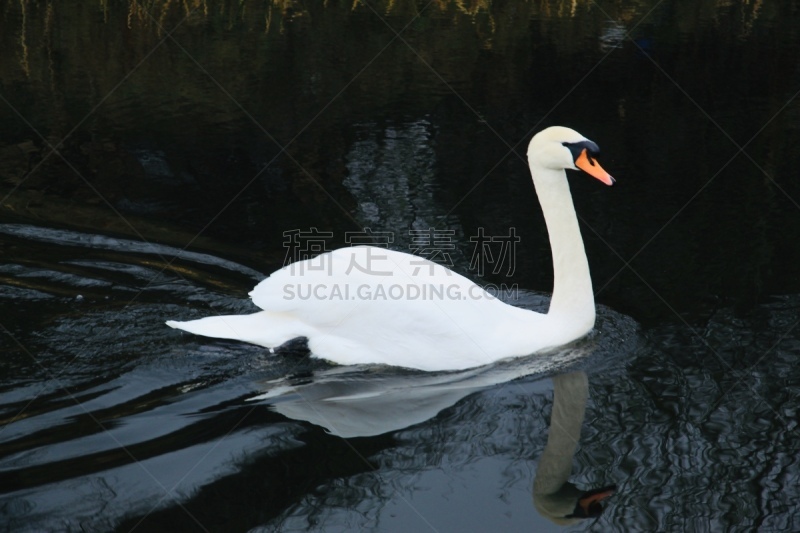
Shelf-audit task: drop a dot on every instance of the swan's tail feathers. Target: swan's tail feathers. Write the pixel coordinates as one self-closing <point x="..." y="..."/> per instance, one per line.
<point x="264" y="328"/>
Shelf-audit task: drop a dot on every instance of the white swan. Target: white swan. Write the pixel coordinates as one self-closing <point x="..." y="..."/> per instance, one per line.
<point x="367" y="305"/>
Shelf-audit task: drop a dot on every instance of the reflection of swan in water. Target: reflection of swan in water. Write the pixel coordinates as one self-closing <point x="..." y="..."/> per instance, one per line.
<point x="355" y="402"/>
<point x="553" y="496"/>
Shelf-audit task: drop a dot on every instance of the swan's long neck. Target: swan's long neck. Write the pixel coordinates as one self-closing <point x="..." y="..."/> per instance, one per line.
<point x="572" y="288"/>
<point x="553" y="496"/>
<point x="570" y="393"/>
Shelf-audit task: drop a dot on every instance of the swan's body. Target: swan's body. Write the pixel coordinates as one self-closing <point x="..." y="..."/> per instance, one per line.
<point x="371" y="305"/>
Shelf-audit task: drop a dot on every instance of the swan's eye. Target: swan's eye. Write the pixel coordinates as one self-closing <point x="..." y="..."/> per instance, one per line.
<point x="578" y="148"/>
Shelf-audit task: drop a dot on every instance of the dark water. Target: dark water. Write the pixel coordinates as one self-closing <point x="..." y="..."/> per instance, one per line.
<point x="152" y="155"/>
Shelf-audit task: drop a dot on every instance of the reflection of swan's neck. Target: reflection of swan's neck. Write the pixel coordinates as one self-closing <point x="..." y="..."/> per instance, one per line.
<point x="572" y="287"/>
<point x="551" y="492"/>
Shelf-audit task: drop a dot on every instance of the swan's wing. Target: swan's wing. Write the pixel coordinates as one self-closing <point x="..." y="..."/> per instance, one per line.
<point x="348" y="277"/>
<point x="365" y="302"/>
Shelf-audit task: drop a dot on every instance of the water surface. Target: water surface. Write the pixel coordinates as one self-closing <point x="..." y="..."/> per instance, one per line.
<point x="153" y="155"/>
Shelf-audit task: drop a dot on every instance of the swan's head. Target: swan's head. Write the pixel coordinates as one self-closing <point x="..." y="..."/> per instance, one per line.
<point x="559" y="148"/>
<point x="569" y="505"/>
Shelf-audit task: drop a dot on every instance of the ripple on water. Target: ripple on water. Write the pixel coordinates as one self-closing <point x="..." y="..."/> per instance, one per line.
<point x="112" y="406"/>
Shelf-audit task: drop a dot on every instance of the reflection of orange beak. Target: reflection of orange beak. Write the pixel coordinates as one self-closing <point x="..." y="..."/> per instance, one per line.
<point x="594" y="498"/>
<point x="593" y="168"/>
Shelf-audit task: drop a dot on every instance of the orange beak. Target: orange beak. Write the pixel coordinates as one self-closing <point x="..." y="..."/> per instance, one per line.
<point x="593" y="168"/>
